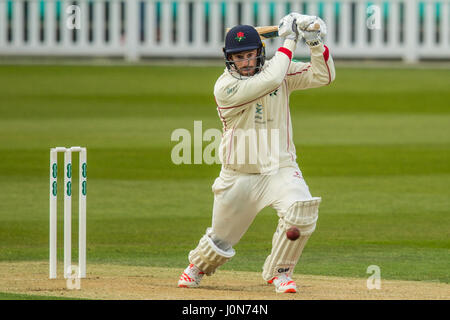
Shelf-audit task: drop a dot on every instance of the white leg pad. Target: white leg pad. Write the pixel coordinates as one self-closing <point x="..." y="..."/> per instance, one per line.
<point x="286" y="253"/>
<point x="208" y="256"/>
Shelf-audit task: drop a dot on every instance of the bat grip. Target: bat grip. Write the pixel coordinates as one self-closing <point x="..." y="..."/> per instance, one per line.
<point x="294" y="26"/>
<point x="314" y="27"/>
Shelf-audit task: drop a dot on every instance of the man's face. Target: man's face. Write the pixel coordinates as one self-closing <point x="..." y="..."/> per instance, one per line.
<point x="245" y="62"/>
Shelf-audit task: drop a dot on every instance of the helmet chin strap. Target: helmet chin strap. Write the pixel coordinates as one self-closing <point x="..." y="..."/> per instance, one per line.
<point x="234" y="70"/>
<point x="239" y="74"/>
<point x="249" y="69"/>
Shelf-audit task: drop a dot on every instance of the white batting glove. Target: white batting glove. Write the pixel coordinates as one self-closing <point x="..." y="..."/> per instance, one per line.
<point x="312" y="38"/>
<point x="287" y="28"/>
<point x="314" y="32"/>
<point x="302" y="20"/>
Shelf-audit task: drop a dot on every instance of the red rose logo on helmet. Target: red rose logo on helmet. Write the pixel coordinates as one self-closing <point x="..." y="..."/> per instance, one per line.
<point x="240" y="36"/>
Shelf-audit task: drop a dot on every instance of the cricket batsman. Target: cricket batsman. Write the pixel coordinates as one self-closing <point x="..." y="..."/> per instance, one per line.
<point x="252" y="97"/>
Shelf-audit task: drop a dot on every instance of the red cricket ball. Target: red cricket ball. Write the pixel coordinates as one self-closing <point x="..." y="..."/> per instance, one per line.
<point x="293" y="233"/>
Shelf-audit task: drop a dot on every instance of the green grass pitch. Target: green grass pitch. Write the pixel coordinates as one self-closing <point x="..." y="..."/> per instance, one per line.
<point x="14" y="296"/>
<point x="375" y="145"/>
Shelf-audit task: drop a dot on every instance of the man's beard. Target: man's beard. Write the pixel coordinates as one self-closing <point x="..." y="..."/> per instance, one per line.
<point x="247" y="71"/>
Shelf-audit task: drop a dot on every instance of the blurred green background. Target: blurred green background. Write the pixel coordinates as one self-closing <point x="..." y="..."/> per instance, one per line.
<point x="375" y="145"/>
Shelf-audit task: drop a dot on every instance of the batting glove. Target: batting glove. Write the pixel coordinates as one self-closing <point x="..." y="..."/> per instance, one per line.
<point x="314" y="32"/>
<point x="287" y="28"/>
<point x="302" y="20"/>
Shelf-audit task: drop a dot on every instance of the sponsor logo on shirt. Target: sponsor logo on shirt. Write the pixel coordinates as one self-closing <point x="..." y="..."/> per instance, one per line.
<point x="259" y="112"/>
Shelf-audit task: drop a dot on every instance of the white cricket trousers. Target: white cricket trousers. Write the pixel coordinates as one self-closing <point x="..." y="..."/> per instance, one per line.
<point x="238" y="197"/>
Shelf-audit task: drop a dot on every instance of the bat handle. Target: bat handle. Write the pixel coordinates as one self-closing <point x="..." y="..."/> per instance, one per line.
<point x="316" y="26"/>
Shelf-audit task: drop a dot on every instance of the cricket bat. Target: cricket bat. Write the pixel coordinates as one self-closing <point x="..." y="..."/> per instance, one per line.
<point x="268" y="32"/>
